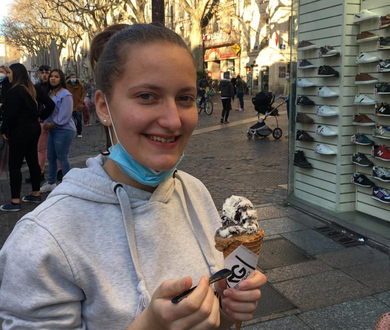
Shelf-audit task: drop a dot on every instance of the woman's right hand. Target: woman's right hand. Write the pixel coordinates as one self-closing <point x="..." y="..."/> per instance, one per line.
<point x="199" y="311"/>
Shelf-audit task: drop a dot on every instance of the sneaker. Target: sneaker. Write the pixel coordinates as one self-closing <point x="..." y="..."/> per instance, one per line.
<point x="363" y="100"/>
<point x="362" y="120"/>
<point x="361" y="180"/>
<point x="361" y="160"/>
<point x="303" y="118"/>
<point x="380" y="195"/>
<point x="381" y="174"/>
<point x="47" y="187"/>
<point x="306" y="45"/>
<point x="366" y="36"/>
<point x="381" y="132"/>
<point x="326" y="92"/>
<point x="382" y="88"/>
<point x="365" y="79"/>
<point x="364" y="58"/>
<point x="328" y="51"/>
<point x="381" y="152"/>
<point x="304" y="100"/>
<point x="304" y="136"/>
<point x="384" y="43"/>
<point x="382" y="109"/>
<point x="325" y="131"/>
<point x="11" y="207"/>
<point x="300" y="160"/>
<point x="361" y="139"/>
<point x="79" y="136"/>
<point x="383" y="66"/>
<point x="364" y="15"/>
<point x="305" y="64"/>
<point x="302" y="82"/>
<point x="327" y="71"/>
<point x="32" y="199"/>
<point x="384" y="21"/>
<point x="326" y="111"/>
<point x="323" y="150"/>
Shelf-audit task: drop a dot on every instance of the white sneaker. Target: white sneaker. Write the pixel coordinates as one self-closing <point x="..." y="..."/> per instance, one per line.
<point x="363" y="100"/>
<point x="325" y="131"/>
<point x="47" y="187"/>
<point x="323" y="149"/>
<point x="303" y="82"/>
<point x="326" y="92"/>
<point x="366" y="58"/>
<point x="326" y="111"/>
<point x="79" y="136"/>
<point x="364" y="15"/>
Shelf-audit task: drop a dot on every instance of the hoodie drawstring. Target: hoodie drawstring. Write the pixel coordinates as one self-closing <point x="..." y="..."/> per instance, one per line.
<point x="128" y="221"/>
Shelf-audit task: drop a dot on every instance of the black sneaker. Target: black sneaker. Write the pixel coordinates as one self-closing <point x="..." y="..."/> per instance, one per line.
<point x="304" y="136"/>
<point x="382" y="109"/>
<point x="384" y="43"/>
<point x="361" y="180"/>
<point x="381" y="174"/>
<point x="327" y="71"/>
<point x="384" y="66"/>
<point x="382" y="88"/>
<point x="305" y="64"/>
<point x="328" y="51"/>
<point x="304" y="100"/>
<point x="300" y="160"/>
<point x="32" y="199"/>
<point x="361" y="160"/>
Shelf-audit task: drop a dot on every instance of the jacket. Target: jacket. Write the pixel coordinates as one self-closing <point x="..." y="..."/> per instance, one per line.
<point x="226" y="88"/>
<point x="78" y="92"/>
<point x="72" y="254"/>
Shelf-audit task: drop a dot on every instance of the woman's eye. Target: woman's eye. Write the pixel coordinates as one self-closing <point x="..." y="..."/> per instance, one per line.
<point x="186" y="98"/>
<point x="146" y="97"/>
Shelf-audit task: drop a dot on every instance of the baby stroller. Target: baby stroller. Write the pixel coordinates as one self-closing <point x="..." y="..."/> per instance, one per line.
<point x="263" y="105"/>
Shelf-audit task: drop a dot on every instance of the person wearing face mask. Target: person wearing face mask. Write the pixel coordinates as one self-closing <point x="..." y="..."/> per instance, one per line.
<point x="61" y="129"/>
<point x="77" y="90"/>
<point x="21" y="128"/>
<point x="116" y="241"/>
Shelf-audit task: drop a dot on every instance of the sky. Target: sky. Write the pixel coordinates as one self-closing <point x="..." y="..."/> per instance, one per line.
<point x="5" y="4"/>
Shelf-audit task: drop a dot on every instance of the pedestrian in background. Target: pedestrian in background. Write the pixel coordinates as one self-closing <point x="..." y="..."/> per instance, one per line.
<point x="202" y="85"/>
<point x="95" y="255"/>
<point x="22" y="130"/>
<point x="5" y="85"/>
<point x="227" y="96"/>
<point x="75" y="87"/>
<point x="241" y="86"/>
<point x="61" y="128"/>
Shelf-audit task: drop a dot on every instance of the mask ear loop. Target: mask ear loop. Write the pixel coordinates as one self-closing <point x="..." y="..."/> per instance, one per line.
<point x="113" y="125"/>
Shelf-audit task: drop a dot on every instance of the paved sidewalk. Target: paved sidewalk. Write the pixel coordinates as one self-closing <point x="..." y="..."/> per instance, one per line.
<point x="314" y="281"/>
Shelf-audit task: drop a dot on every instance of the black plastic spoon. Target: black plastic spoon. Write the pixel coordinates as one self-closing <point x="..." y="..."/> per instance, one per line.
<point x="223" y="273"/>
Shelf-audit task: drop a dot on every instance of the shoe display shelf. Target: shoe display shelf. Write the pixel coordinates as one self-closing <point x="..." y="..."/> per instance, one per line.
<point x="375" y="9"/>
<point x="332" y="23"/>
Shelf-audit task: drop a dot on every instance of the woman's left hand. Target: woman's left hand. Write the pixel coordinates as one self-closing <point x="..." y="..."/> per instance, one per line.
<point x="240" y="304"/>
<point x="48" y="126"/>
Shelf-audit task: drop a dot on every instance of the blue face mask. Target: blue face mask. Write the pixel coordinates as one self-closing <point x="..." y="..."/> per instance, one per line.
<point x="72" y="80"/>
<point x="132" y="168"/>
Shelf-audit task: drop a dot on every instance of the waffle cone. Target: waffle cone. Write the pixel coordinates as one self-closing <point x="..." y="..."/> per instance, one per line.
<point x="252" y="242"/>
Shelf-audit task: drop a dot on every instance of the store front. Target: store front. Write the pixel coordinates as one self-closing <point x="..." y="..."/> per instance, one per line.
<point x="334" y="104"/>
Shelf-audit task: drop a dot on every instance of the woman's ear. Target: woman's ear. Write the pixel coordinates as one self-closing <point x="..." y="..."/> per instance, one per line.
<point x="101" y="108"/>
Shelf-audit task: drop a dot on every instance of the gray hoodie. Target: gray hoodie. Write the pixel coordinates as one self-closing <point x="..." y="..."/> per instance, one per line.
<point x="92" y="255"/>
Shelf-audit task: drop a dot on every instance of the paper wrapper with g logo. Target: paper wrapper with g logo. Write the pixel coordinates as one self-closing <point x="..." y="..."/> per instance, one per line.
<point x="241" y="254"/>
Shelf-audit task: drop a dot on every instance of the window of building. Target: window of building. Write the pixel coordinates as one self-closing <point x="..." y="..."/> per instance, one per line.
<point x="282" y="72"/>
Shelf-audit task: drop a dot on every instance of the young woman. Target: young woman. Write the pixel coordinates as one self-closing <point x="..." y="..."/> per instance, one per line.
<point x="115" y="242"/>
<point x="21" y="127"/>
<point x="61" y="128"/>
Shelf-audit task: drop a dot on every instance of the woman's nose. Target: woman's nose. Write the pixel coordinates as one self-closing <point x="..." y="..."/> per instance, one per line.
<point x="170" y="116"/>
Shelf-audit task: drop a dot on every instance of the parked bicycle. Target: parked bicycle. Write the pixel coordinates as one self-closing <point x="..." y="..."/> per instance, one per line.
<point x="207" y="105"/>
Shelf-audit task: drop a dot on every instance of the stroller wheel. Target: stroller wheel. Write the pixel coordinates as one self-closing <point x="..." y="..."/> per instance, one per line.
<point x="277" y="133"/>
<point x="256" y="136"/>
<point x="249" y="135"/>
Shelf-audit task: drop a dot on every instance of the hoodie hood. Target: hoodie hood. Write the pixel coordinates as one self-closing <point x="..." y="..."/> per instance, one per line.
<point x="224" y="82"/>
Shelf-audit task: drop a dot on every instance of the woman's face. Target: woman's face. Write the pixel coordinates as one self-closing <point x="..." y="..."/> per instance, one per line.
<point x="153" y="104"/>
<point x="54" y="79"/>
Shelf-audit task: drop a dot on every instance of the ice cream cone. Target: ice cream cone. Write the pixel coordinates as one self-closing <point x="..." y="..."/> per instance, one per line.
<point x="252" y="242"/>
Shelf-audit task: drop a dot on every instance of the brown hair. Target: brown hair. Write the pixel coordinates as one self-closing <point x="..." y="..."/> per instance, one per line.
<point x="20" y="77"/>
<point x="109" y="49"/>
